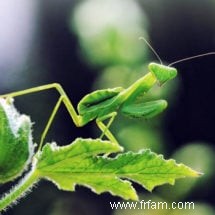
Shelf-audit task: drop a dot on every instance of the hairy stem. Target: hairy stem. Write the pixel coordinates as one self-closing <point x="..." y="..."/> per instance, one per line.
<point x="19" y="190"/>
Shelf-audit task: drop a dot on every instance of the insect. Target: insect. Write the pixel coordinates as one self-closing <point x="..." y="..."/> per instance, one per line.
<point x="104" y="104"/>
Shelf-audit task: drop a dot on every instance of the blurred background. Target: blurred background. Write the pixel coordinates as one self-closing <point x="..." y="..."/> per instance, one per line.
<point x="93" y="44"/>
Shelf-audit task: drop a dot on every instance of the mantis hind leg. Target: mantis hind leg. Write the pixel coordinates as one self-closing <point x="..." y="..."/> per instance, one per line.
<point x="48" y="125"/>
<point x="77" y="119"/>
<point x="62" y="99"/>
<point x="59" y="89"/>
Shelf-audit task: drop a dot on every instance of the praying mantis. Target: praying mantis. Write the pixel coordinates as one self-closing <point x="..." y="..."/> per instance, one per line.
<point x="101" y="105"/>
<point x="104" y="104"/>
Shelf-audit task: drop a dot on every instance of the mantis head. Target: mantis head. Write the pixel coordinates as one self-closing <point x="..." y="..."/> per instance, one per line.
<point x="162" y="73"/>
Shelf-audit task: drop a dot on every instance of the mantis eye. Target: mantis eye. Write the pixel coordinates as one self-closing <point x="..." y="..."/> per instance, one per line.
<point x="16" y="148"/>
<point x="162" y="73"/>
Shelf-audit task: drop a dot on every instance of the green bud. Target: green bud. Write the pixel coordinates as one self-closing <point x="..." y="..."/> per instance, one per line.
<point x="16" y="147"/>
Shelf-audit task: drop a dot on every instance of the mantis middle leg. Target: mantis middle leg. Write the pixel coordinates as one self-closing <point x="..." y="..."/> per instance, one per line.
<point x="105" y="128"/>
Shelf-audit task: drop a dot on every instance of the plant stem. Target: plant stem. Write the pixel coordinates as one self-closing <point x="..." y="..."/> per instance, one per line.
<point x="19" y="190"/>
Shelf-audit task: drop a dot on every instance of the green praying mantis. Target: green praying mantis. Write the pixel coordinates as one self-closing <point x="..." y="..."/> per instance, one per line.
<point x="104" y="104"/>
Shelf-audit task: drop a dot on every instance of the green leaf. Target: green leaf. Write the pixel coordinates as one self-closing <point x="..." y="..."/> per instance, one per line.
<point x="81" y="163"/>
<point x="16" y="147"/>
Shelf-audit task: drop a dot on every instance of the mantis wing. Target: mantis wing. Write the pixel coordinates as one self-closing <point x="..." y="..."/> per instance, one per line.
<point x="145" y="109"/>
<point x="97" y="99"/>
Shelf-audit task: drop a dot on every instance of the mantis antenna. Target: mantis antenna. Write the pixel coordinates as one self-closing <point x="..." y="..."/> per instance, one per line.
<point x="152" y="49"/>
<point x="192" y="57"/>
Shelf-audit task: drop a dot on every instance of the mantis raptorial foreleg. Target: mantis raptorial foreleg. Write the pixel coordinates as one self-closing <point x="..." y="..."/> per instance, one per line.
<point x="144" y="109"/>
